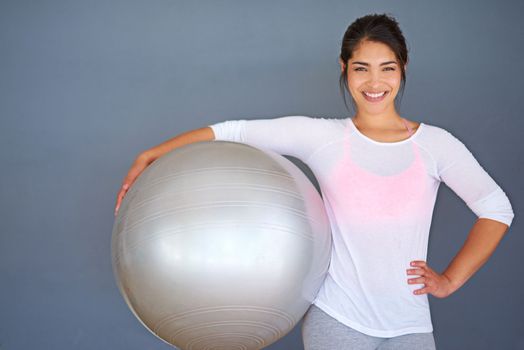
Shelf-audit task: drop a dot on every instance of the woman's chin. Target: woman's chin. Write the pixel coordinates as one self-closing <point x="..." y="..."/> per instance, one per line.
<point x="373" y="109"/>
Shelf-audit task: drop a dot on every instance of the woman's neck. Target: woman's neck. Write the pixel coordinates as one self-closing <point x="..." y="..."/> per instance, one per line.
<point x="378" y="122"/>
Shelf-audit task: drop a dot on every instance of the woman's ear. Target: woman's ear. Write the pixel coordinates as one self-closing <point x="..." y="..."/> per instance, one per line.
<point x="342" y="64"/>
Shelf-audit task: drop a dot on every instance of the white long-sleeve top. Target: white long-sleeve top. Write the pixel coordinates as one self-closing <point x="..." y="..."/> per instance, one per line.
<point x="379" y="198"/>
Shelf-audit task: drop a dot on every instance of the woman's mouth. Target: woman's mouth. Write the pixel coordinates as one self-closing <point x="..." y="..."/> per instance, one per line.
<point x="375" y="97"/>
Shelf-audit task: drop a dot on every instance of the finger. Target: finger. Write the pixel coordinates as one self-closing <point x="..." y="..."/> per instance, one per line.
<point x="415" y="271"/>
<point x="419" y="280"/>
<point x="419" y="263"/>
<point x="117" y="207"/>
<point x="420" y="291"/>
<point x="120" y="196"/>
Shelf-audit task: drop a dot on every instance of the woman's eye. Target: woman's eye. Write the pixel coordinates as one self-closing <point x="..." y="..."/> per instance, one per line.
<point x="362" y="69"/>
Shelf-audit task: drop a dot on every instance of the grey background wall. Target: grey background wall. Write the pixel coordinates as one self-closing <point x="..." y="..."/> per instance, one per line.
<point x="87" y="85"/>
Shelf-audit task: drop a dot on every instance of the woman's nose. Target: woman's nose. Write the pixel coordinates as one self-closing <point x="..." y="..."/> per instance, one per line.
<point x="374" y="77"/>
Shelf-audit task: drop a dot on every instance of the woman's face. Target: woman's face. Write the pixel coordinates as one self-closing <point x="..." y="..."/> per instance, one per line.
<point x="373" y="69"/>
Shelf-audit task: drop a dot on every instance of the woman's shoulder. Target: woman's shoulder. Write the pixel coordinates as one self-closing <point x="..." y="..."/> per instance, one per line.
<point x="438" y="140"/>
<point x="434" y="131"/>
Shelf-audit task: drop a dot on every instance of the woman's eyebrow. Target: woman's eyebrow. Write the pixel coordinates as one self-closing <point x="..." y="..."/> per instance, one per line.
<point x="367" y="64"/>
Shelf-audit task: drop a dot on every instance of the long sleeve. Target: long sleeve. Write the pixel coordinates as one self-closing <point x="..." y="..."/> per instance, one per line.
<point x="297" y="136"/>
<point x="460" y="171"/>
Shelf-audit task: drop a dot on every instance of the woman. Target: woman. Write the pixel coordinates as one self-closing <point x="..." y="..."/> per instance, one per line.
<point x="379" y="174"/>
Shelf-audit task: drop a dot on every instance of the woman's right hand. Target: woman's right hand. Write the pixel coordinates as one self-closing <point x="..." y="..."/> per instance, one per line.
<point x="141" y="162"/>
<point x="147" y="157"/>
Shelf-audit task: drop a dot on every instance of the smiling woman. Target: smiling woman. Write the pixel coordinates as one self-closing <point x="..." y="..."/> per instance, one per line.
<point x="379" y="174"/>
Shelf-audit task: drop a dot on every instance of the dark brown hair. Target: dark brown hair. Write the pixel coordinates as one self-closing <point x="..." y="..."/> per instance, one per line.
<point x="381" y="28"/>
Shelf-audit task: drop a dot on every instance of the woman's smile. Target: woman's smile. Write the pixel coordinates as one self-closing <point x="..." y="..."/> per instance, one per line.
<point x="374" y="97"/>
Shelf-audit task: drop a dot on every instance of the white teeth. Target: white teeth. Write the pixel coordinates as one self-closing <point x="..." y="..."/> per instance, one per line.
<point x="375" y="95"/>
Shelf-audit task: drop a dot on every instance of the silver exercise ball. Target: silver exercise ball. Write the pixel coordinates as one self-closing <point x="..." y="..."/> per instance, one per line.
<point x="221" y="245"/>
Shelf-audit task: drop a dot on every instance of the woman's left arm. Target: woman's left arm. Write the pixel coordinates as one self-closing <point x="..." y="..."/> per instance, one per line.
<point x="480" y="244"/>
<point x="460" y="171"/>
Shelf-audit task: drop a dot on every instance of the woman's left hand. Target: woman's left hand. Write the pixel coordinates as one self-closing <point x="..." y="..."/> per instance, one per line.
<point x="438" y="285"/>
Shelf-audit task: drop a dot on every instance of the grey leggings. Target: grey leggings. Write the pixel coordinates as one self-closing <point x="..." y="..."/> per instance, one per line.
<point x="320" y="331"/>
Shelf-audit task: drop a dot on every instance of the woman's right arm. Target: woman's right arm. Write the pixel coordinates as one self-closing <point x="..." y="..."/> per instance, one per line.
<point x="297" y="136"/>
<point x="147" y="157"/>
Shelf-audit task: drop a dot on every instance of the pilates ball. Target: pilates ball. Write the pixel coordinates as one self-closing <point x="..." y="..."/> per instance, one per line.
<point x="221" y="245"/>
